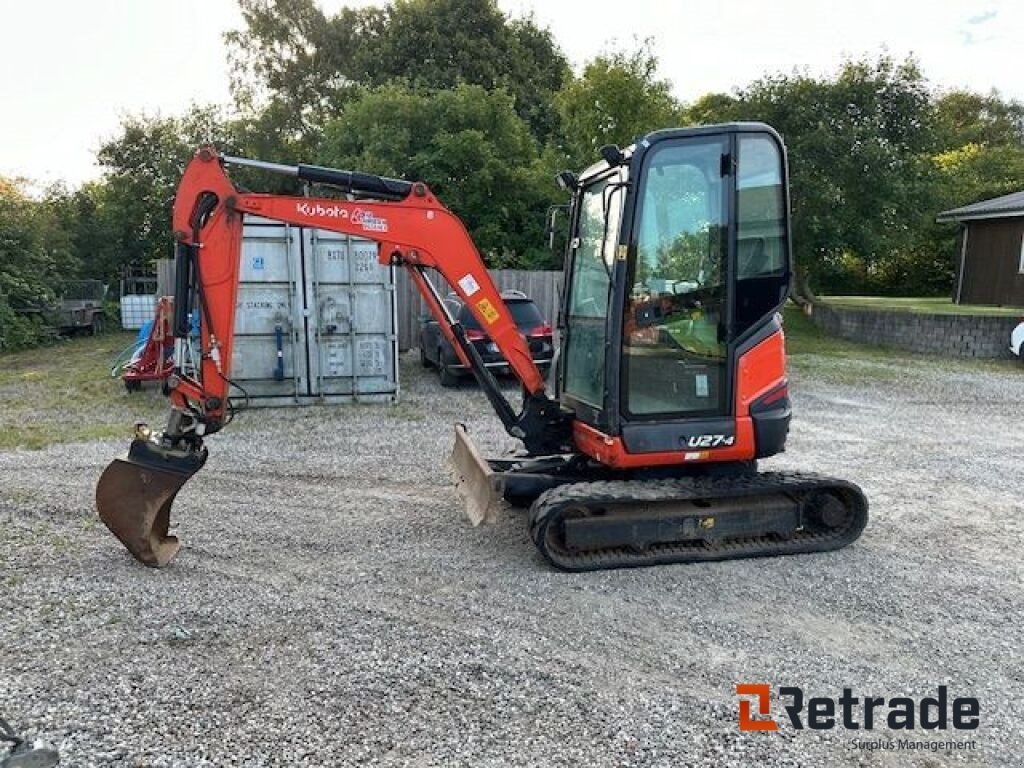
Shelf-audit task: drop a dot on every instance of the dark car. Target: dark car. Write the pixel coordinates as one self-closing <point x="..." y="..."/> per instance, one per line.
<point x="436" y="352"/>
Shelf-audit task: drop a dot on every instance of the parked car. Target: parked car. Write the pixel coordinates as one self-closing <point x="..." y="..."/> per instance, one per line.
<point x="436" y="352"/>
<point x="1017" y="341"/>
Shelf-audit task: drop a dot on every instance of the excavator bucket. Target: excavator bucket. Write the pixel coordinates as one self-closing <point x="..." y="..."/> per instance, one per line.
<point x="134" y="498"/>
<point x="479" y="485"/>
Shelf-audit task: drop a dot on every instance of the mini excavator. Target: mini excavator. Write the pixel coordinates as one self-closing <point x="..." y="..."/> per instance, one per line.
<point x="669" y="381"/>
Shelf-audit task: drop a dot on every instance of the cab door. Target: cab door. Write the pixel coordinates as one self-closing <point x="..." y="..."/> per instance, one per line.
<point x="588" y="297"/>
<point x="676" y="330"/>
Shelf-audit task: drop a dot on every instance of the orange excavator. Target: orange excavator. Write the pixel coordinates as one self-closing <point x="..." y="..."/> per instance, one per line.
<point x="669" y="382"/>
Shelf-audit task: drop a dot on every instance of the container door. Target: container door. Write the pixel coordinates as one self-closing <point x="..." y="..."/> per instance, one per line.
<point x="269" y="356"/>
<point x="352" y="324"/>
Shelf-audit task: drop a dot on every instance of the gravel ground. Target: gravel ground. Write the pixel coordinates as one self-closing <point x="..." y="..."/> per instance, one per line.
<point x="331" y="607"/>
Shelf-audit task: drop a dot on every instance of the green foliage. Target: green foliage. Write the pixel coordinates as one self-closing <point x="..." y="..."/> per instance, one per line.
<point x="858" y="159"/>
<point x="142" y="168"/>
<point x="437" y="44"/>
<point x="963" y="118"/>
<point x="617" y="99"/>
<point x="978" y="154"/>
<point x="19" y="331"/>
<point x="36" y="259"/>
<point x="471" y="148"/>
<point x="307" y="66"/>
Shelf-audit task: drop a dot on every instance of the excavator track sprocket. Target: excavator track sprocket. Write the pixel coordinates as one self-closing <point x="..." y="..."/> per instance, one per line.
<point x="621" y="524"/>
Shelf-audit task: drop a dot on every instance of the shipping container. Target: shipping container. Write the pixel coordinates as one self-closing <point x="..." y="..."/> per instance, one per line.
<point x="315" y="320"/>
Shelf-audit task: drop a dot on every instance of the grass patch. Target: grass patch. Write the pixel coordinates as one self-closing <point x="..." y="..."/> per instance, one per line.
<point x="803" y="337"/>
<point x="812" y="352"/>
<point x="933" y="306"/>
<point x="64" y="393"/>
<point x="815" y="354"/>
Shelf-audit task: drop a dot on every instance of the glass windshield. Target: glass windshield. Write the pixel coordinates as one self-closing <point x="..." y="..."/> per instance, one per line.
<point x="760" y="220"/>
<point x="593" y="255"/>
<point x="674" y="332"/>
<point x="762" y="251"/>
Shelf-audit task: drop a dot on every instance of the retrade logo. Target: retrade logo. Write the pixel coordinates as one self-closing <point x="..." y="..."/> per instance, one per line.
<point x="939" y="712"/>
<point x="763" y="695"/>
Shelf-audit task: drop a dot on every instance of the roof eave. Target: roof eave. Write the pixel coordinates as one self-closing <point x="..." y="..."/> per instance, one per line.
<point x="952" y="216"/>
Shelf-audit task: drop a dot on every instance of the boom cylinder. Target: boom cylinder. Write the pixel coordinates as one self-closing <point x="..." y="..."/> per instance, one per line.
<point x="182" y="289"/>
<point x="349" y="181"/>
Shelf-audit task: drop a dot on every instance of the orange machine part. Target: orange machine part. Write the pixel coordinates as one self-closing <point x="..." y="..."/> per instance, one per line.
<point x="758" y="371"/>
<point x="417" y="231"/>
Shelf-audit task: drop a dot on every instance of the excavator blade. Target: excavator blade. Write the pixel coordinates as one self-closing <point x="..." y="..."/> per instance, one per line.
<point x="478" y="484"/>
<point x="134" y="497"/>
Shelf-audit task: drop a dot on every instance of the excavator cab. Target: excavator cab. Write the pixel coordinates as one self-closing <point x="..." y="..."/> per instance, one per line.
<point x="678" y="259"/>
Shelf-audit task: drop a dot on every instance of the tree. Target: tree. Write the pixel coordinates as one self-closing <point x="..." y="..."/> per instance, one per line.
<point x="473" y="150"/>
<point x="35" y="261"/>
<point x="617" y="99"/>
<point x="858" y="151"/>
<point x="142" y="168"/>
<point x="308" y="66"/>
<point x="964" y="118"/>
<point x="290" y="60"/>
<point x="437" y="44"/>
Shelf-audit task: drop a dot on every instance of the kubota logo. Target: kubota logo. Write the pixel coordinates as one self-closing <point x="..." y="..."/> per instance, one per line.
<point x="359" y="216"/>
<point x="318" y="209"/>
<point x="855" y="712"/>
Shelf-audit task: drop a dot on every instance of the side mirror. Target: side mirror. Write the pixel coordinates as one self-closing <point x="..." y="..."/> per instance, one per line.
<point x="552" y="226"/>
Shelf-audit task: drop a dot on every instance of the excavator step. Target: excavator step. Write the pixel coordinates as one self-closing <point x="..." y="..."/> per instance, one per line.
<point x="632" y="523"/>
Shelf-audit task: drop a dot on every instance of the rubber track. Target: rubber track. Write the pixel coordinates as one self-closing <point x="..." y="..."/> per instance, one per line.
<point x="547" y="510"/>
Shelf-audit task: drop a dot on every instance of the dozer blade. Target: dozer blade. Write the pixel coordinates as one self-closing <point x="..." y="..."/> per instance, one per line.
<point x="134" y="498"/>
<point x="478" y="484"/>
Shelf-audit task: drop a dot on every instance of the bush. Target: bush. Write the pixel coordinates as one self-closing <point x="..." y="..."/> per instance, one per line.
<point x="21" y="331"/>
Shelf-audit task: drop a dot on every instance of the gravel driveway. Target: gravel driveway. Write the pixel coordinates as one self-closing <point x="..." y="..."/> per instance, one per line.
<point x="331" y="607"/>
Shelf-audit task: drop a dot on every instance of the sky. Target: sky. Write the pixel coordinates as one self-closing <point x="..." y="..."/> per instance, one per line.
<point x="70" y="70"/>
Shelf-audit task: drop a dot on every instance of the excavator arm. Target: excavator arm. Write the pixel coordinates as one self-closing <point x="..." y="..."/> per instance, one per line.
<point x="412" y="229"/>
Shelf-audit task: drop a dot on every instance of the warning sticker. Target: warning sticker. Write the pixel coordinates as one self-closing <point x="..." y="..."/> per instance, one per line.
<point x="488" y="311"/>
<point x="469" y="285"/>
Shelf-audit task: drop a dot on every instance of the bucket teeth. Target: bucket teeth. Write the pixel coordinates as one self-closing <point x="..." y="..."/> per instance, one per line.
<point x="478" y="484"/>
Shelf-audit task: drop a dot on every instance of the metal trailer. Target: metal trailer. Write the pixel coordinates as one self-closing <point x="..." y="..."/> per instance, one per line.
<point x="315" y="320"/>
<point x="81" y="307"/>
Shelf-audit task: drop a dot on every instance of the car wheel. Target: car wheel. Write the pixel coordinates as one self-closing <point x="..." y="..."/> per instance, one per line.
<point x="448" y="379"/>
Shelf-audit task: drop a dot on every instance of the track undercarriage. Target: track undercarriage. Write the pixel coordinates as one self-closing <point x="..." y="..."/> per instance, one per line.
<point x="585" y="517"/>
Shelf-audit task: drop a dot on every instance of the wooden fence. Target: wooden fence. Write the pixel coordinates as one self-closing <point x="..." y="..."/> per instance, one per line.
<point x="544" y="287"/>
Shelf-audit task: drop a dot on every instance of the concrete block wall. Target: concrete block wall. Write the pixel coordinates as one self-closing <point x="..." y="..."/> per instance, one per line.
<point x="950" y="335"/>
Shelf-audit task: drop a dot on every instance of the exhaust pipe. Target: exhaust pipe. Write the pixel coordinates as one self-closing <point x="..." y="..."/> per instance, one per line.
<point x="134" y="497"/>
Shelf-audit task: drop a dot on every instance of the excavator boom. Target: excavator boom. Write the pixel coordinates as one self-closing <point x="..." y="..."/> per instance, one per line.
<point x="412" y="229"/>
